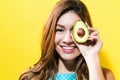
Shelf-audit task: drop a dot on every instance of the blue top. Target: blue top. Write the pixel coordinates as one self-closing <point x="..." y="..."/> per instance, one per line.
<point x="65" y="76"/>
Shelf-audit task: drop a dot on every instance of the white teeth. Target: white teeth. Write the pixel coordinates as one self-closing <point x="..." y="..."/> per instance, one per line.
<point x="68" y="47"/>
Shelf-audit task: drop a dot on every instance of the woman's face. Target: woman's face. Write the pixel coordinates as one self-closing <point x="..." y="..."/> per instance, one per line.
<point x="64" y="43"/>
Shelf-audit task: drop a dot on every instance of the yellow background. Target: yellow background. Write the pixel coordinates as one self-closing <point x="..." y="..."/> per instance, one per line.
<point x="21" y="24"/>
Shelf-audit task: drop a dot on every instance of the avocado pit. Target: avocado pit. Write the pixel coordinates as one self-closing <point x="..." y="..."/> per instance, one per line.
<point x="80" y="32"/>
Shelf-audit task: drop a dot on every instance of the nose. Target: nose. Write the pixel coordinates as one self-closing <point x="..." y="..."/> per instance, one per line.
<point x="67" y="38"/>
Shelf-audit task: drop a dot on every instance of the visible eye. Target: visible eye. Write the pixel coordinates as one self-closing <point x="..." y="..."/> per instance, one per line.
<point x="59" y="30"/>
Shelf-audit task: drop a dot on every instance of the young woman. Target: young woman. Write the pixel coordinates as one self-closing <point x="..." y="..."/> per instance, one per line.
<point x="62" y="57"/>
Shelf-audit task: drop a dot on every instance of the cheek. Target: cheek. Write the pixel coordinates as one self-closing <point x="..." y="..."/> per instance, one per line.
<point x="58" y="38"/>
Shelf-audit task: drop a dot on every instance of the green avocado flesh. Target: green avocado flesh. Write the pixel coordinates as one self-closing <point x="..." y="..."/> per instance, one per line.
<point x="80" y="32"/>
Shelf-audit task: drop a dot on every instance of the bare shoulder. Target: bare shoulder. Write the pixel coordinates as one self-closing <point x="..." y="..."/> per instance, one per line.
<point x="108" y="74"/>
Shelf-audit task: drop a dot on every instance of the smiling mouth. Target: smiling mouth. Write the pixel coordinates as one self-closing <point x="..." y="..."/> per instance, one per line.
<point x="68" y="49"/>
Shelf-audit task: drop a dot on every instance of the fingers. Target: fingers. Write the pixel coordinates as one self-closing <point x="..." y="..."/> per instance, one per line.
<point x="91" y="29"/>
<point x="94" y="35"/>
<point x="87" y="24"/>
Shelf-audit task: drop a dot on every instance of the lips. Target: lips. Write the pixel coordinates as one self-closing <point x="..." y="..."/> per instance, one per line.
<point x="68" y="49"/>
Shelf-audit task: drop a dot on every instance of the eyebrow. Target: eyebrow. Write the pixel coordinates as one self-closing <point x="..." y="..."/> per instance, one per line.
<point x="60" y="25"/>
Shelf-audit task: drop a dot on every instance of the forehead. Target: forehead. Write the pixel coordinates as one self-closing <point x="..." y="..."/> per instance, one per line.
<point x="68" y="18"/>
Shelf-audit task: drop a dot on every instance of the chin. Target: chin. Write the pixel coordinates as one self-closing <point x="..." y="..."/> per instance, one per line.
<point x="69" y="57"/>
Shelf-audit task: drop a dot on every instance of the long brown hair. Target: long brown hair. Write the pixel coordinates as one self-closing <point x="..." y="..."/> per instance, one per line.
<point x="47" y="66"/>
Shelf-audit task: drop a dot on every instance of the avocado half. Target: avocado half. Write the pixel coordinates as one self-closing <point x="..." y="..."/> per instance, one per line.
<point x="80" y="32"/>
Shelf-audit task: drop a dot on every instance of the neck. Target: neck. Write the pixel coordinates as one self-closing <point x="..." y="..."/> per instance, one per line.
<point x="66" y="66"/>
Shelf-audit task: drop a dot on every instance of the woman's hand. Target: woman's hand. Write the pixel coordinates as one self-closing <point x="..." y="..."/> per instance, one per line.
<point x="93" y="46"/>
<point x="90" y="51"/>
